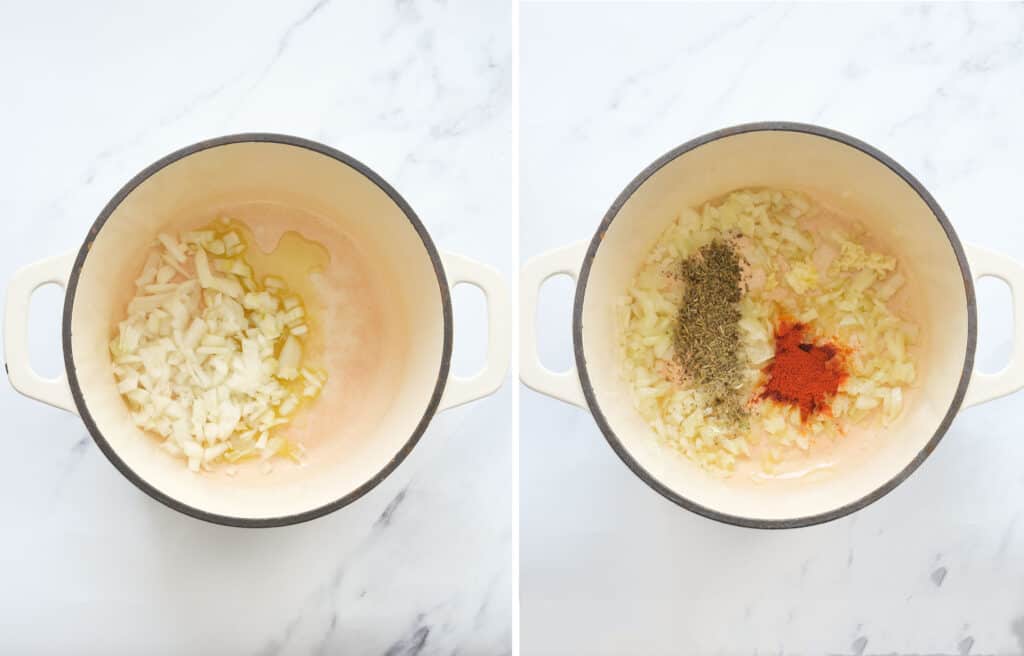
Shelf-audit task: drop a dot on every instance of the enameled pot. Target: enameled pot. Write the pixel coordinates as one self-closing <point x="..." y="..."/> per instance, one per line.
<point x="860" y="181"/>
<point x="387" y="321"/>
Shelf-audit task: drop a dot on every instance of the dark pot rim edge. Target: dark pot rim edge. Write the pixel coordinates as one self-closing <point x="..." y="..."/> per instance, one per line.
<point x="581" y="361"/>
<point x="112" y="205"/>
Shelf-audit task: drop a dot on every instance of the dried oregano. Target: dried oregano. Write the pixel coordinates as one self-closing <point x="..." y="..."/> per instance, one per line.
<point x="707" y="340"/>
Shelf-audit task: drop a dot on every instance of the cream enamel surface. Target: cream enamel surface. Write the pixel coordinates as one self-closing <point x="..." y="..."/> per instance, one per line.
<point x="855" y="184"/>
<point x="381" y="279"/>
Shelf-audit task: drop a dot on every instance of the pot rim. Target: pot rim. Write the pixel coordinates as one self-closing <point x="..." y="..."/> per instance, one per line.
<point x="446" y="353"/>
<point x="581" y="360"/>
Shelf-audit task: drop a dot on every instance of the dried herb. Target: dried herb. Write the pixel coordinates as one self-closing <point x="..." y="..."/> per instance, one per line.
<point x="707" y="337"/>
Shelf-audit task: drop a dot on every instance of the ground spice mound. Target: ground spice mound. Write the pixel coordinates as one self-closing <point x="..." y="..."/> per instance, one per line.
<point x="707" y="336"/>
<point x="803" y="374"/>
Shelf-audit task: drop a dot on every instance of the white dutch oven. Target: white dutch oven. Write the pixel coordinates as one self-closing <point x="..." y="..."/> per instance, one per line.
<point x="859" y="180"/>
<point x="387" y="321"/>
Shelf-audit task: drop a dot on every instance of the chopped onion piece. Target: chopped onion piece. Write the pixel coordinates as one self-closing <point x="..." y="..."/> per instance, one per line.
<point x="149" y="270"/>
<point x="289" y="405"/>
<point x="288" y="361"/>
<point x="308" y="375"/>
<point x="173" y="248"/>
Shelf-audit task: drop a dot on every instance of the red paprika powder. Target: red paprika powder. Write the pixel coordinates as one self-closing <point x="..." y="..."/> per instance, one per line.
<point x="803" y="374"/>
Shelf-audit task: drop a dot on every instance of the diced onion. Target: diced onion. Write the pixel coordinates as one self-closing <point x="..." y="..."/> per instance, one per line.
<point x="202" y="358"/>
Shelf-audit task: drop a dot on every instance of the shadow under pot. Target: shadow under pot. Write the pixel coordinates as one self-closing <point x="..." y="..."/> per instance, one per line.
<point x="384" y="328"/>
<point x="853" y="179"/>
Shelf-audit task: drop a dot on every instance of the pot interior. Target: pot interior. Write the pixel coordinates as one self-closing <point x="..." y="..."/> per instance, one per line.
<point x="858" y="185"/>
<point x="380" y="337"/>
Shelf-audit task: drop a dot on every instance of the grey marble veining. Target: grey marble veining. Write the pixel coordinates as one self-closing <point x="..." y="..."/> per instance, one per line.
<point x="419" y="90"/>
<point x="608" y="566"/>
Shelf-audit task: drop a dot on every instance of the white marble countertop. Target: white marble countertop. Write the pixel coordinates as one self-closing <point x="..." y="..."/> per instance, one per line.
<point x="94" y="92"/>
<point x="608" y="566"/>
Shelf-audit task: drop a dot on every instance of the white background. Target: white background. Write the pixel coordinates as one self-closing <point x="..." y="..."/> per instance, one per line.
<point x="608" y="566"/>
<point x="90" y="93"/>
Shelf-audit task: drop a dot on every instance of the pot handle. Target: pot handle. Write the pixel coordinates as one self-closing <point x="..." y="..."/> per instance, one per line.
<point x="53" y="391"/>
<point x="459" y="390"/>
<point x="985" y="387"/>
<point x="564" y="385"/>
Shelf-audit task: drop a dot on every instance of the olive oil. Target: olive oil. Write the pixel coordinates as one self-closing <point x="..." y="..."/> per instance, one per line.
<point x="295" y="260"/>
